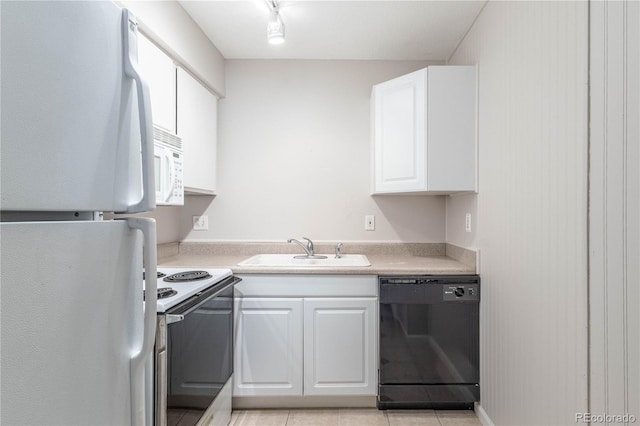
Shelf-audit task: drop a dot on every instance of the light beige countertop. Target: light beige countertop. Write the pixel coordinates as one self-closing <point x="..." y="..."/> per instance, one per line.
<point x="383" y="262"/>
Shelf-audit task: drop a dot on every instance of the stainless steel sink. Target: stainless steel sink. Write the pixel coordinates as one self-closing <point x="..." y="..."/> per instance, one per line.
<point x="284" y="260"/>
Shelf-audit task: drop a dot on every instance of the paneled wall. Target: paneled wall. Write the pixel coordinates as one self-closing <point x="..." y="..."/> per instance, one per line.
<point x="614" y="221"/>
<point x="531" y="208"/>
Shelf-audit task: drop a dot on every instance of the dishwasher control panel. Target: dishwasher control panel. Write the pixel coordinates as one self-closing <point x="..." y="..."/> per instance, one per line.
<point x="460" y="292"/>
<point x="429" y="289"/>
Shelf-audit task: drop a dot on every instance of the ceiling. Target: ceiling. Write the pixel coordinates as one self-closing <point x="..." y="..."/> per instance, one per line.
<point x="362" y="30"/>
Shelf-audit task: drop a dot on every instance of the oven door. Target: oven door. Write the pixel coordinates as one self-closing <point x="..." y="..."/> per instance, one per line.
<point x="199" y="350"/>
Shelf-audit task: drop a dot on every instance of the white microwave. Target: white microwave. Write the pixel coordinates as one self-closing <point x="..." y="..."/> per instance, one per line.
<point x="168" y="158"/>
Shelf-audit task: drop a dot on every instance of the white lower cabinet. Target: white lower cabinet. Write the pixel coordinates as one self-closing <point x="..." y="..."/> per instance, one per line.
<point x="339" y="346"/>
<point x="268" y="346"/>
<point x="306" y="345"/>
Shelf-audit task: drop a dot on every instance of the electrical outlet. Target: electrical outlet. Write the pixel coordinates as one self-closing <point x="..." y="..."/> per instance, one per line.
<point x="467" y="222"/>
<point x="201" y="223"/>
<point x="370" y="223"/>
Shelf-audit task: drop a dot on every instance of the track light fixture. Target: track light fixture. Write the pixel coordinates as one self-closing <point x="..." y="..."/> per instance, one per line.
<point x="275" y="26"/>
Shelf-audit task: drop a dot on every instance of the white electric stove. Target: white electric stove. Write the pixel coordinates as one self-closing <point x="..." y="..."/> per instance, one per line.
<point x="176" y="285"/>
<point x="194" y="349"/>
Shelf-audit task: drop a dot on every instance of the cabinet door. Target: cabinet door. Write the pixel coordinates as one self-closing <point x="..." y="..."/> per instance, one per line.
<point x="424" y="132"/>
<point x="197" y="126"/>
<point x="399" y="116"/>
<point x="159" y="72"/>
<point x="340" y="336"/>
<point x="268" y="346"/>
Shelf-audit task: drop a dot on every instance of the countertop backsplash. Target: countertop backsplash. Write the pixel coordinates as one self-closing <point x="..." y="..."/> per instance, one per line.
<point x="407" y="257"/>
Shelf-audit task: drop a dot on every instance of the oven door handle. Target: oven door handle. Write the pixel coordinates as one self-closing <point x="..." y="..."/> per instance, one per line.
<point x="171" y="318"/>
<point x="202" y="298"/>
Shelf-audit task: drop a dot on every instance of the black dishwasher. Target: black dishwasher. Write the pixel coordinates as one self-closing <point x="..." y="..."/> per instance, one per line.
<point x="429" y="341"/>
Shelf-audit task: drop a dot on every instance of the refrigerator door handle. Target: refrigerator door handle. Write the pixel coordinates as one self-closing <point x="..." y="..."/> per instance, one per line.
<point x="129" y="40"/>
<point x="137" y="365"/>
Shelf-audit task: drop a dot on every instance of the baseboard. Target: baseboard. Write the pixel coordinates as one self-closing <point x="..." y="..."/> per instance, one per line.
<point x="248" y="402"/>
<point x="482" y="415"/>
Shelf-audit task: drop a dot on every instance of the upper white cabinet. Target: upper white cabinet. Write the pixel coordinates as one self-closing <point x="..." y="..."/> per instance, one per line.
<point x="424" y="132"/>
<point x="159" y="72"/>
<point x="183" y="106"/>
<point x="197" y="112"/>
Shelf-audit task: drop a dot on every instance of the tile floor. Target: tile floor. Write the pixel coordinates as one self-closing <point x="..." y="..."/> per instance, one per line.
<point x="352" y="417"/>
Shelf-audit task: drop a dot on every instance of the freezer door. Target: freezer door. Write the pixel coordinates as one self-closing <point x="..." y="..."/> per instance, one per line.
<point x="71" y="320"/>
<point x="71" y="124"/>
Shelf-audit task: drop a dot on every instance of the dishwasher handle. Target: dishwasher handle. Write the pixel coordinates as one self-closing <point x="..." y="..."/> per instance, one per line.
<point x="429" y="279"/>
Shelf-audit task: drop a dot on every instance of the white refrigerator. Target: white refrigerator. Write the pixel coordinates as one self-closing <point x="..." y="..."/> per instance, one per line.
<point x="75" y="141"/>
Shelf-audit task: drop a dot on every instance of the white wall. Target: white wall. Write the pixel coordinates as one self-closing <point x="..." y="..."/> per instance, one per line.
<point x="457" y="207"/>
<point x="167" y="218"/>
<point x="531" y="208"/>
<point x="293" y="147"/>
<point x="614" y="219"/>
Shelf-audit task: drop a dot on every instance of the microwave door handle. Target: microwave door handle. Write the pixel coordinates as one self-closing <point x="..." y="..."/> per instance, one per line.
<point x="172" y="175"/>
<point x="129" y="42"/>
<point x="141" y="353"/>
<point x="159" y="154"/>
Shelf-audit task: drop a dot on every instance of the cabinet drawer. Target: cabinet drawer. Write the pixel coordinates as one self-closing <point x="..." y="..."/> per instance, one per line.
<point x="285" y="285"/>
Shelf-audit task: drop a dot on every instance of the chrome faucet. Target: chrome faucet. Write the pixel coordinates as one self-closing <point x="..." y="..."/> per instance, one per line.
<point x="338" y="248"/>
<point x="308" y="249"/>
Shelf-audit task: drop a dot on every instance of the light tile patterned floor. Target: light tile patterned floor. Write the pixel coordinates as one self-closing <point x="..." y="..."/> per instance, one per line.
<point x="353" y="417"/>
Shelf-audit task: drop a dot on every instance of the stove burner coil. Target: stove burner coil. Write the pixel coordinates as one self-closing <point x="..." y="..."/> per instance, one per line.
<point x="187" y="276"/>
<point x="163" y="293"/>
<point x="158" y="275"/>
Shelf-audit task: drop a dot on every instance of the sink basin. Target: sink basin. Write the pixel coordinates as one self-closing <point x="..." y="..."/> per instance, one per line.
<point x="289" y="260"/>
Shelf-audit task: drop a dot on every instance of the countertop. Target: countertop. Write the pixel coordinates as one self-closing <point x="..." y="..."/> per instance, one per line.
<point x="380" y="265"/>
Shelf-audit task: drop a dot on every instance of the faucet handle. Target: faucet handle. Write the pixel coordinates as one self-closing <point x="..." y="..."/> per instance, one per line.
<point x="309" y="245"/>
<point x="338" y="248"/>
